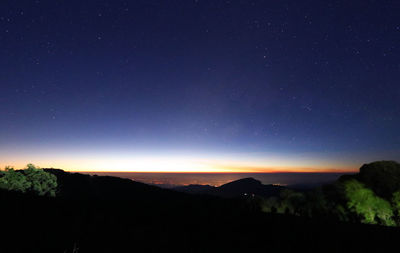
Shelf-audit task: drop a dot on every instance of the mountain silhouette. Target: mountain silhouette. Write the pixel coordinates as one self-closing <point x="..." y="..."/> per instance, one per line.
<point x="110" y="214"/>
<point x="82" y="186"/>
<point x="242" y="187"/>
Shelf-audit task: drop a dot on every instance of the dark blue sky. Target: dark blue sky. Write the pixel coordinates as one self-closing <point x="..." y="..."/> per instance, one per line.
<point x="307" y="84"/>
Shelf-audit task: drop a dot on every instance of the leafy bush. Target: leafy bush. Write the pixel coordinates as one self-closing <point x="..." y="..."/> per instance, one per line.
<point x="396" y="201"/>
<point x="371" y="196"/>
<point x="31" y="179"/>
<point x="371" y="208"/>
<point x="14" y="181"/>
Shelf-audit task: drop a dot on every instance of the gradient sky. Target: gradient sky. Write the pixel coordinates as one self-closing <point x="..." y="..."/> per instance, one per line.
<point x="199" y="85"/>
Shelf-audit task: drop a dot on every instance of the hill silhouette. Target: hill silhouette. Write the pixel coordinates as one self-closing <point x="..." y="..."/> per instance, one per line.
<point x="109" y="214"/>
<point x="82" y="186"/>
<point x="238" y="188"/>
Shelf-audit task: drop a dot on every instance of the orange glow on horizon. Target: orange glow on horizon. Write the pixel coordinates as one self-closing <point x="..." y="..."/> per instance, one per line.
<point x="185" y="165"/>
<point x="225" y="170"/>
<point x="260" y="170"/>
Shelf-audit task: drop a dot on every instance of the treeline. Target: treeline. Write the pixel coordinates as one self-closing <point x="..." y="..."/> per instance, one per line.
<point x="29" y="180"/>
<point x="372" y="196"/>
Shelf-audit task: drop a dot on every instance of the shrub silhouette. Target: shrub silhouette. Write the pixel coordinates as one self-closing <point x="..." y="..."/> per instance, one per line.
<point x="31" y="179"/>
<point x="371" y="196"/>
<point x="292" y="201"/>
<point x="383" y="177"/>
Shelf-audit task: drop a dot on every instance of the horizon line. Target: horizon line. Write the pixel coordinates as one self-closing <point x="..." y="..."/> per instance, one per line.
<point x="216" y="172"/>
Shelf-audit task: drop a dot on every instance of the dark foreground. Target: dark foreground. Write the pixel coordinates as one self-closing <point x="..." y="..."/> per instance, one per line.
<point x="105" y="214"/>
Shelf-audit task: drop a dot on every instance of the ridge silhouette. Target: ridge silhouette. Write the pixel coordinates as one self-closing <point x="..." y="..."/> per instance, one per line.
<point x="110" y="214"/>
<point x="242" y="187"/>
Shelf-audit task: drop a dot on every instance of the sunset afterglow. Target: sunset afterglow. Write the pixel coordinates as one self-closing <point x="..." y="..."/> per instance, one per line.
<point x="235" y="163"/>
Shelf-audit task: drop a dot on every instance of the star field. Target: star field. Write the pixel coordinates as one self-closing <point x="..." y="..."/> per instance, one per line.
<point x="310" y="84"/>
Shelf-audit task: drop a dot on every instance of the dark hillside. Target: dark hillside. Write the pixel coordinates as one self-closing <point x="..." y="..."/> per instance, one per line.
<point x="76" y="185"/>
<point x="103" y="214"/>
<point x="194" y="188"/>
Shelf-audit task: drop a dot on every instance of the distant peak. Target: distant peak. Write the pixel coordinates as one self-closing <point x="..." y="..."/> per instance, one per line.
<point x="249" y="179"/>
<point x="244" y="181"/>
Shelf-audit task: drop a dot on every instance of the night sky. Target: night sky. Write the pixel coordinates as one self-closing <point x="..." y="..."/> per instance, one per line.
<point x="199" y="85"/>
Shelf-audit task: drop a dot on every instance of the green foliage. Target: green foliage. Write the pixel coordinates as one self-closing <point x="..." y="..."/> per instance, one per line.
<point x="31" y="179"/>
<point x="316" y="203"/>
<point x="333" y="202"/>
<point x="363" y="201"/>
<point x="270" y="205"/>
<point x="396" y="201"/>
<point x="340" y="212"/>
<point x="43" y="183"/>
<point x="290" y="202"/>
<point x="371" y="196"/>
<point x="396" y="206"/>
<point x="14" y="181"/>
